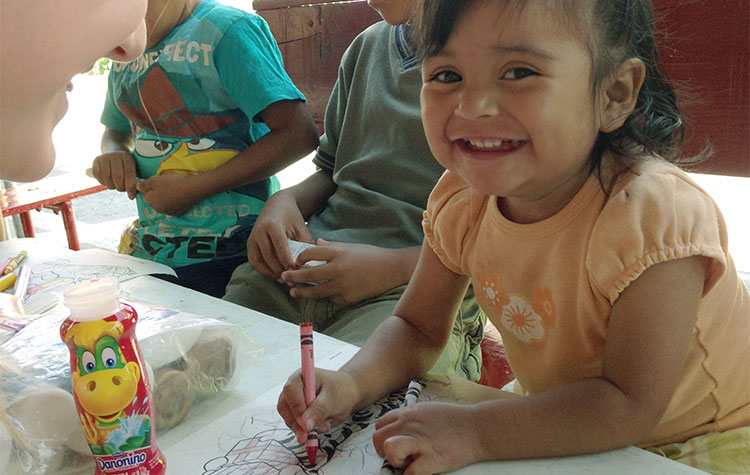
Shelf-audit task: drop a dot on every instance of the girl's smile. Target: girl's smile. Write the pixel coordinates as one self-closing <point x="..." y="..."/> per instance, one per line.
<point x="507" y="104"/>
<point x="479" y="146"/>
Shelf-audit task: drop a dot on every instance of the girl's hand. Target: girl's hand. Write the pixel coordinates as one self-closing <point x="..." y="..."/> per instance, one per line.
<point x="116" y="171"/>
<point x="169" y="193"/>
<point x="267" y="247"/>
<point x="428" y="438"/>
<point x="351" y="273"/>
<point x="337" y="396"/>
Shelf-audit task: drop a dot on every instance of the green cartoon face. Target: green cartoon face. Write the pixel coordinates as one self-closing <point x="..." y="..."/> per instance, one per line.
<point x="159" y="155"/>
<point x="105" y="383"/>
<point x="108" y="356"/>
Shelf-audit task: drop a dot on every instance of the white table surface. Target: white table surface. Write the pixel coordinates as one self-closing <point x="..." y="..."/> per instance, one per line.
<point x="280" y="341"/>
<point x="280" y="357"/>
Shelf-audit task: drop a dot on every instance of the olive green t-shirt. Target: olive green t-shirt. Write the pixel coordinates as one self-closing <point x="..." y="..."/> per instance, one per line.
<point x="374" y="145"/>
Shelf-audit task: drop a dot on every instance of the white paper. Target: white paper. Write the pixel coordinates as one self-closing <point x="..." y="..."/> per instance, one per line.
<point x="253" y="440"/>
<point x="54" y="269"/>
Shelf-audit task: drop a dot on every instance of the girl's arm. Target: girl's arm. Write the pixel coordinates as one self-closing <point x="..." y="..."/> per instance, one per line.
<point x="644" y="353"/>
<point x="409" y="343"/>
<point x="646" y="347"/>
<point x="404" y="346"/>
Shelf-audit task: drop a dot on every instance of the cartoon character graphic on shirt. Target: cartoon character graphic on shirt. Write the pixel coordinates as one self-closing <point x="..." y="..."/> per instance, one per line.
<point x="170" y="138"/>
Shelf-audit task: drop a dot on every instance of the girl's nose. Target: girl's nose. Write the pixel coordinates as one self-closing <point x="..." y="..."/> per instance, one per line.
<point x="476" y="102"/>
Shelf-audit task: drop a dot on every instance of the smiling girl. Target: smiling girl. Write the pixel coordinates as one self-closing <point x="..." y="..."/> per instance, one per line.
<point x="603" y="265"/>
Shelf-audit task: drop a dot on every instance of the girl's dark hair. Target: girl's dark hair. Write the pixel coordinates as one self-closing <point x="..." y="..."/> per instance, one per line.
<point x="617" y="30"/>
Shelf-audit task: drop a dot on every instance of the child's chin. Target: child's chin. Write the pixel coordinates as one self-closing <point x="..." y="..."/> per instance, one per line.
<point x="62" y="105"/>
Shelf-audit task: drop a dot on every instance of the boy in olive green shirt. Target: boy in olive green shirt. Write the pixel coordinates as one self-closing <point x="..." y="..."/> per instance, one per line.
<point x="363" y="207"/>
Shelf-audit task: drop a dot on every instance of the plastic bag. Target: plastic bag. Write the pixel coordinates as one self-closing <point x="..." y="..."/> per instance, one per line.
<point x="188" y="358"/>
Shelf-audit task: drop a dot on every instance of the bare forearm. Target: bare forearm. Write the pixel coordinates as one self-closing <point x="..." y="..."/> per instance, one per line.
<point x="587" y="416"/>
<point x="409" y="343"/>
<point x="115" y="141"/>
<point x="292" y="135"/>
<point x="391" y="357"/>
<point x="396" y="266"/>
<point x="312" y="193"/>
<point x="270" y="154"/>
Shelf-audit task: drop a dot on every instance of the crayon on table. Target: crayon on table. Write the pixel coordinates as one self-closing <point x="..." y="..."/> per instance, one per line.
<point x="22" y="282"/>
<point x="412" y="392"/>
<point x="4" y="265"/>
<point x="15" y="262"/>
<point x="7" y="281"/>
<point x="412" y="396"/>
<point x="308" y="384"/>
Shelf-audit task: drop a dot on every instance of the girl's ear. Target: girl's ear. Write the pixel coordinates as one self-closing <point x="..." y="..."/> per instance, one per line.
<point x="621" y="94"/>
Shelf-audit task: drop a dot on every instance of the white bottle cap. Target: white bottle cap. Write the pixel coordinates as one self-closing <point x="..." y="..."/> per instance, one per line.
<point x="93" y="299"/>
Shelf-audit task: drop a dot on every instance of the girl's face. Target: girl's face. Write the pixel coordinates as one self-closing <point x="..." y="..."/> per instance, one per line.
<point x="44" y="45"/>
<point x="394" y="12"/>
<point x="507" y="105"/>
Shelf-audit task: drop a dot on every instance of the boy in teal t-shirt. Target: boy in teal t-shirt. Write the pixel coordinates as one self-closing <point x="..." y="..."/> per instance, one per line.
<point x="211" y="115"/>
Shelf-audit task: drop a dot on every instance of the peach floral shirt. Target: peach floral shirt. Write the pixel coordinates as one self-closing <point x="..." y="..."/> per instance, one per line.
<point x="549" y="286"/>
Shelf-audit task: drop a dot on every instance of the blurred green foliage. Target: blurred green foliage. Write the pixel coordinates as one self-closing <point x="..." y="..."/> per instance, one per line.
<point x="101" y="67"/>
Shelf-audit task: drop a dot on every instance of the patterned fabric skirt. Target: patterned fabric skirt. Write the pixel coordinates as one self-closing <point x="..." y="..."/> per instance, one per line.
<point x="718" y="453"/>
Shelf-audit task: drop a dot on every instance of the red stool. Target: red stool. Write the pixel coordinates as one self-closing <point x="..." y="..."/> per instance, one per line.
<point x="496" y="371"/>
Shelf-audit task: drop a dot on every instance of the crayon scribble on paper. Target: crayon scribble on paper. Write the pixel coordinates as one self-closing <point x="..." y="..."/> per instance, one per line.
<point x="270" y="448"/>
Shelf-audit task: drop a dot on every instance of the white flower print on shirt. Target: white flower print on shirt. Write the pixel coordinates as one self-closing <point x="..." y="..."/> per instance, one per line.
<point x="526" y="321"/>
<point x="489" y="292"/>
<point x="520" y="319"/>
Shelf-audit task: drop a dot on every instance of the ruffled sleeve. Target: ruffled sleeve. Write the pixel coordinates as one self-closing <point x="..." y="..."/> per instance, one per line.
<point x="452" y="211"/>
<point x="651" y="219"/>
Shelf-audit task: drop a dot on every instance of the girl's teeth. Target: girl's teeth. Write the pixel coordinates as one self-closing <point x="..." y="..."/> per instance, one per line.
<point x="486" y="143"/>
<point x="494" y="144"/>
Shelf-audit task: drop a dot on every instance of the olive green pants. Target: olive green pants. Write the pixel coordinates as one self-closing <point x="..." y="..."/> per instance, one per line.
<point x="354" y="324"/>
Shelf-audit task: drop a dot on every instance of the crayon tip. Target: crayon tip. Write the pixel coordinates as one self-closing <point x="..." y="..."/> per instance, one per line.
<point x="312" y="454"/>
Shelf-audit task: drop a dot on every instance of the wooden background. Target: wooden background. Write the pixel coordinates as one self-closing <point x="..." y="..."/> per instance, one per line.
<point x="707" y="53"/>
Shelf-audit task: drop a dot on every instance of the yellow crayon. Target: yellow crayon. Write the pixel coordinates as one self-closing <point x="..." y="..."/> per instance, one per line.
<point x="14" y="263"/>
<point x="7" y="281"/>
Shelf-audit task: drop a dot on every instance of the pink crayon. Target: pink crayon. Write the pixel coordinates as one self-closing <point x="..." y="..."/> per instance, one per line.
<point x="308" y="381"/>
<point x="5" y="264"/>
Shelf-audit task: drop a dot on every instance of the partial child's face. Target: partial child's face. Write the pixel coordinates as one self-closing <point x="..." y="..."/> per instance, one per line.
<point x="44" y="45"/>
<point x="394" y="12"/>
<point x="162" y="16"/>
<point x="507" y="105"/>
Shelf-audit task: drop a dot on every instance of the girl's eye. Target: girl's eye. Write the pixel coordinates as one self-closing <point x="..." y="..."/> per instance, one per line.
<point x="446" y="76"/>
<point x="518" y="73"/>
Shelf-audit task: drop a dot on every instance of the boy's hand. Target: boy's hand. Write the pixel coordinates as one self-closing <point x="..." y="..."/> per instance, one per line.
<point x="268" y="245"/>
<point x="428" y="438"/>
<point x="352" y="272"/>
<point x="116" y="171"/>
<point x="337" y="395"/>
<point x="169" y="193"/>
